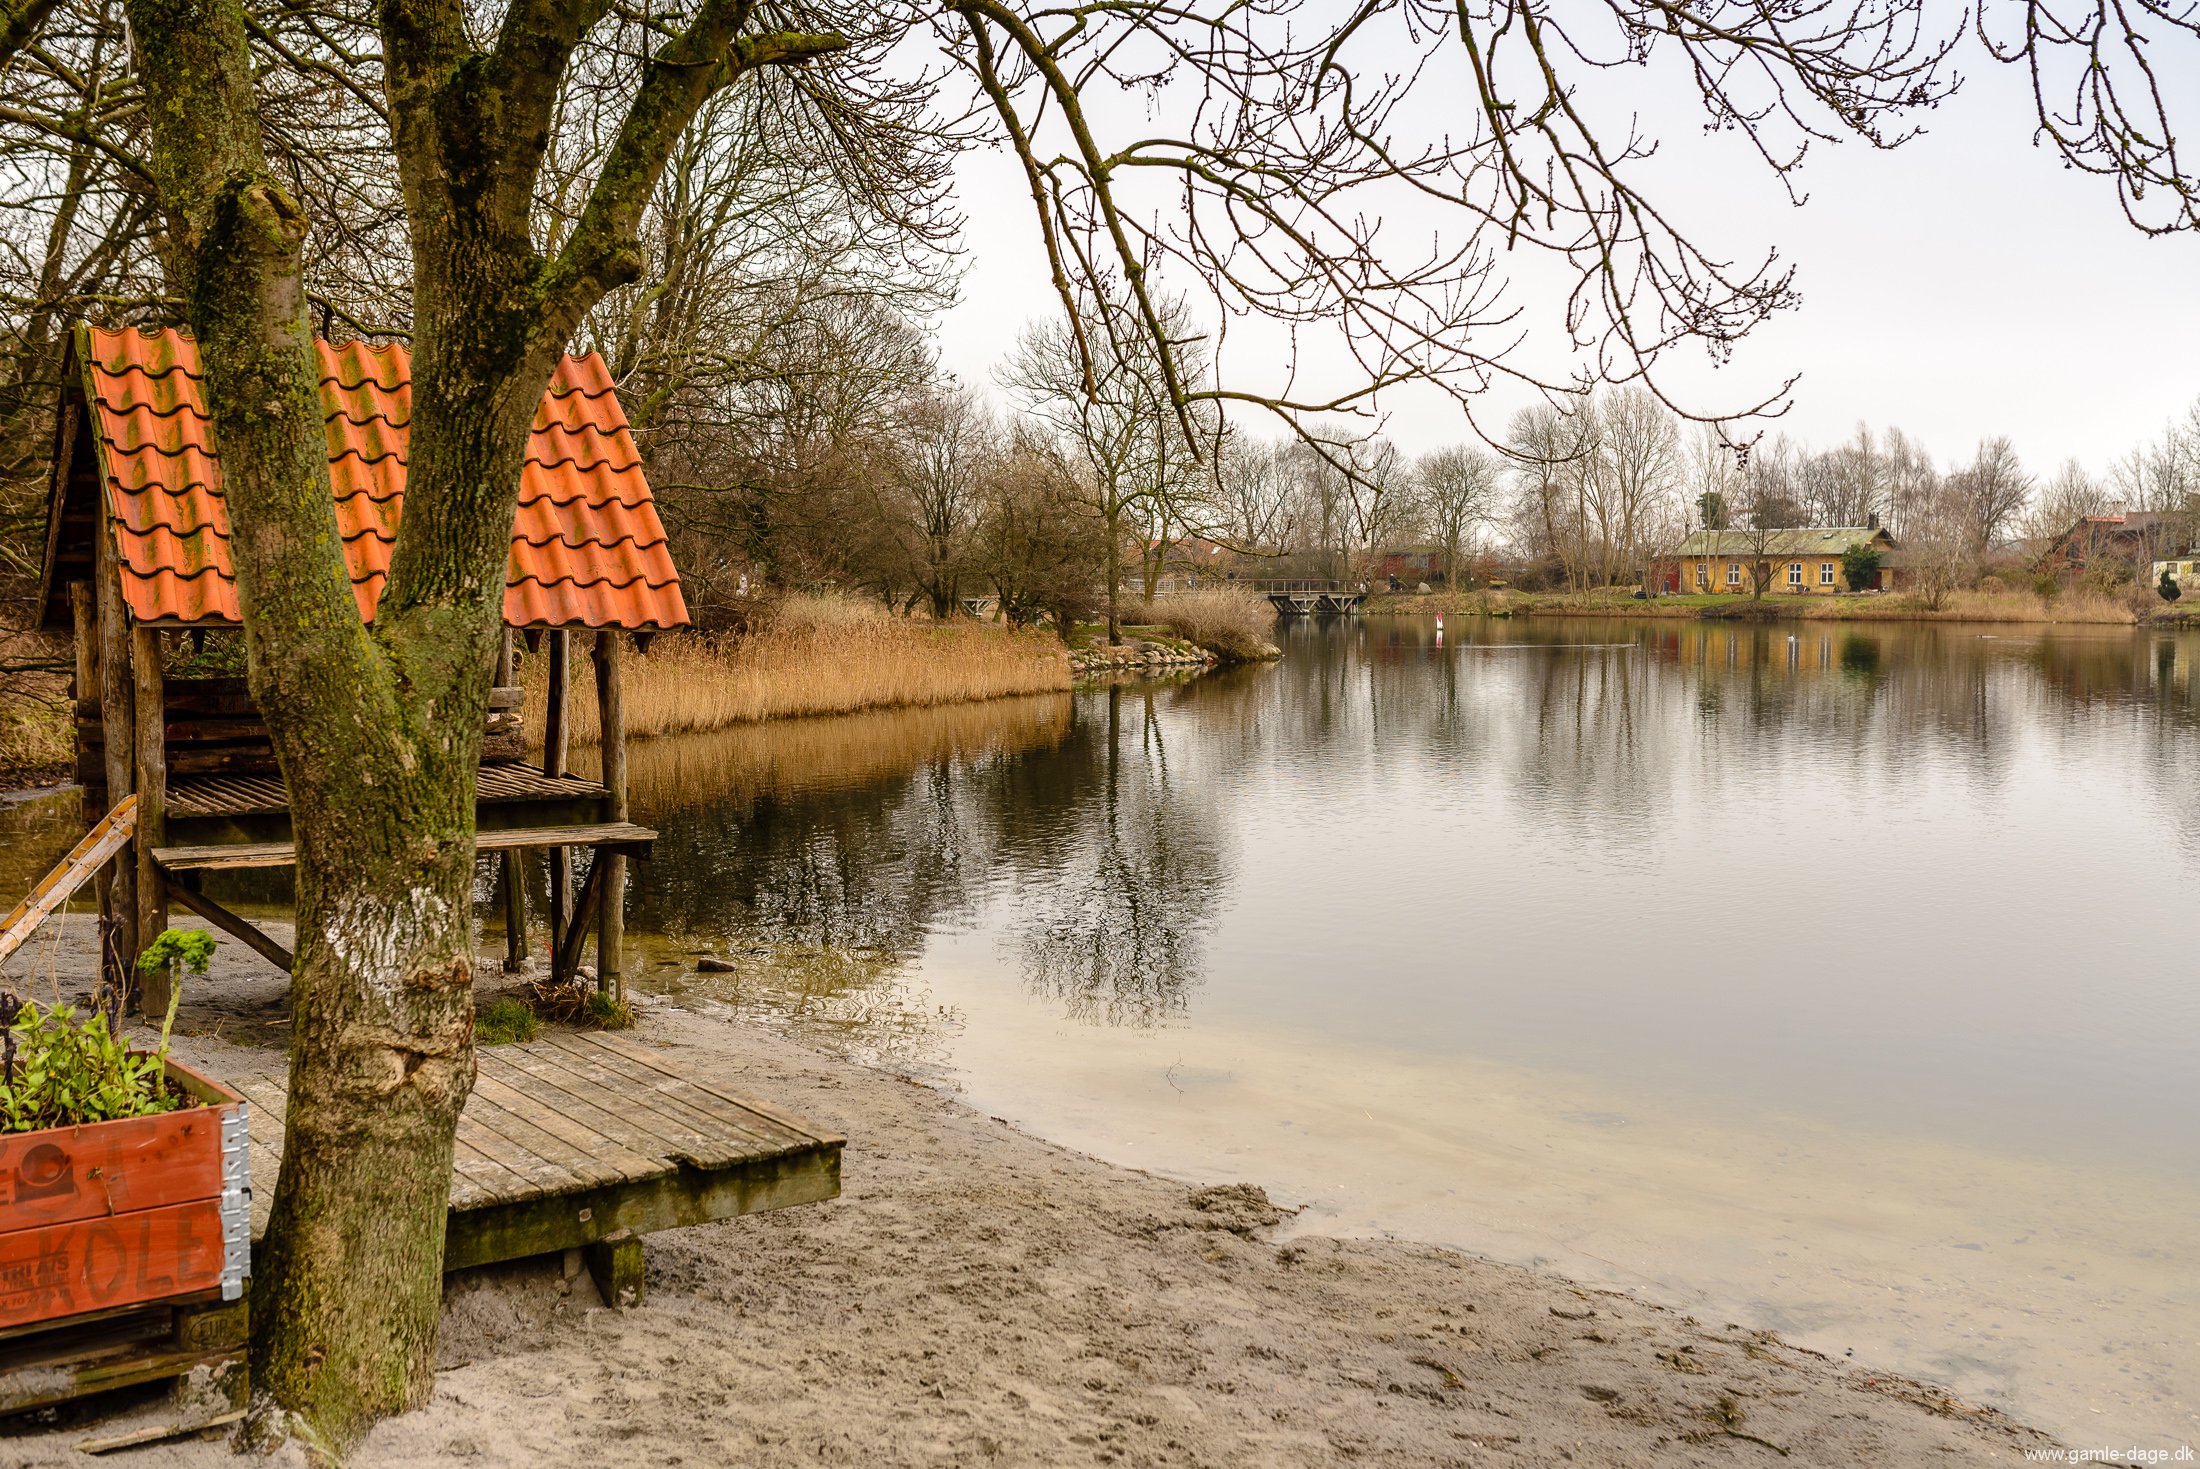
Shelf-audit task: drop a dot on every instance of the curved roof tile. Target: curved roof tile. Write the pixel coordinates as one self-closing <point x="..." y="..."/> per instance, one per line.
<point x="587" y="546"/>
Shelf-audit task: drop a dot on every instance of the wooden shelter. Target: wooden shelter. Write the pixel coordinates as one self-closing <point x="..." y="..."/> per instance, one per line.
<point x="137" y="556"/>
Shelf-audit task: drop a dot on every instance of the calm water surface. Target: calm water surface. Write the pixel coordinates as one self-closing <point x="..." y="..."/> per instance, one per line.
<point x="1836" y="981"/>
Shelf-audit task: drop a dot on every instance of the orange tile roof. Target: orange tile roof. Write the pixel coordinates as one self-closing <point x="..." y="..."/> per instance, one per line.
<point x="587" y="546"/>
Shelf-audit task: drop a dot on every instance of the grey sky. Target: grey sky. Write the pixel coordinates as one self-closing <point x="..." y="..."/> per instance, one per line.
<point x="1964" y="285"/>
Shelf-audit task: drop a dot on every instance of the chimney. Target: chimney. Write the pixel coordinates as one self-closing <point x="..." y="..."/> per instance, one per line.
<point x="1871" y="521"/>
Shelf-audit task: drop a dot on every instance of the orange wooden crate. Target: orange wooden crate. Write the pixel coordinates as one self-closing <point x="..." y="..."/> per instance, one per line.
<point x="123" y="1213"/>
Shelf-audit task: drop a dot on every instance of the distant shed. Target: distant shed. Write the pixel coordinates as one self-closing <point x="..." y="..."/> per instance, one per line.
<point x="137" y="549"/>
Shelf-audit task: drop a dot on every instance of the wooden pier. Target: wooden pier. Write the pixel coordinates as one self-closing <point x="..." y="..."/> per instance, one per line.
<point x="588" y="1141"/>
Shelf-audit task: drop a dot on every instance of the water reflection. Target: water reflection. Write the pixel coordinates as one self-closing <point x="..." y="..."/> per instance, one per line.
<point x="1111" y="931"/>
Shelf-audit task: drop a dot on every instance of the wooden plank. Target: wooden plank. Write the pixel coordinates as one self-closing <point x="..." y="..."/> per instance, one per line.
<point x="132" y="1163"/>
<point x="230" y="923"/>
<point x="20" y="1392"/>
<point x="543" y="1159"/>
<point x="701" y="1104"/>
<point x="676" y="1197"/>
<point x="628" y="1046"/>
<point x="583" y="1146"/>
<point x="98" y="845"/>
<point x="504" y="1166"/>
<point x="689" y="1131"/>
<point x="93" y="1264"/>
<point x="626" y="1120"/>
<point x="620" y="835"/>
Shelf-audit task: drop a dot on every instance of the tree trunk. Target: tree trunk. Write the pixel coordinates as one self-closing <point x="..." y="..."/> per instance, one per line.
<point x="1115" y="576"/>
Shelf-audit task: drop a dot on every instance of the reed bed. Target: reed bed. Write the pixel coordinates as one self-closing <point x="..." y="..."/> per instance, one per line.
<point x="811" y="655"/>
<point x="1233" y="623"/>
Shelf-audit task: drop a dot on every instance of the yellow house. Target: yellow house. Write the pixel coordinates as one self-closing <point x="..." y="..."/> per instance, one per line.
<point x="1804" y="560"/>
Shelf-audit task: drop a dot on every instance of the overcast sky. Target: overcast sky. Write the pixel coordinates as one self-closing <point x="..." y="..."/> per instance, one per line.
<point x="1964" y="285"/>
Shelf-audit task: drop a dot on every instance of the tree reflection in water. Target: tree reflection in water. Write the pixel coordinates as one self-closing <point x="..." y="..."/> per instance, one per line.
<point x="1113" y="932"/>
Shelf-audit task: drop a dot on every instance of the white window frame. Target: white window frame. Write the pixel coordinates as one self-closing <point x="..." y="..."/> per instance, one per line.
<point x="1825" y="573"/>
<point x="1795" y="573"/>
<point x="1733" y="573"/>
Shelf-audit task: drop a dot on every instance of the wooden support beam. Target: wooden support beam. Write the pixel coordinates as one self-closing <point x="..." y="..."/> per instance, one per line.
<point x="611" y="740"/>
<point x="148" y="703"/>
<point x="84" y="620"/>
<point x="567" y="959"/>
<point x="237" y="927"/>
<point x="118" y="924"/>
<point x="512" y="879"/>
<point x="555" y="735"/>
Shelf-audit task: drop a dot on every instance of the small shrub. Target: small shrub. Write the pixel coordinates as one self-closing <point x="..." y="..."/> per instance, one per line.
<point x="2105" y="577"/>
<point x="2167" y="588"/>
<point x="2047" y="586"/>
<point x="504" y="1020"/>
<point x="607" y="1011"/>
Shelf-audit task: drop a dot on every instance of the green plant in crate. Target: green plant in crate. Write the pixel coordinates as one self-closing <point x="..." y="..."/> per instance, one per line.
<point x="62" y="1069"/>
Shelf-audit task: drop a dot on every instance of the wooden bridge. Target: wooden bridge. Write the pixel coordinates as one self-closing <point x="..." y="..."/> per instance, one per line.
<point x="1304" y="598"/>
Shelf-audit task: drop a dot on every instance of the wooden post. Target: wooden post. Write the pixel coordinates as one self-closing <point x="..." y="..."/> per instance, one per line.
<point x="611" y="740"/>
<point x="554" y="735"/>
<point x="512" y="878"/>
<point x="148" y="697"/>
<point x="507" y="661"/>
<point x="117" y="748"/>
<point x="84" y="620"/>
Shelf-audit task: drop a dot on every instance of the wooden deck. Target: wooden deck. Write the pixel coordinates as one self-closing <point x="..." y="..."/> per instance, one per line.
<point x="581" y="1138"/>
<point x="264" y="795"/>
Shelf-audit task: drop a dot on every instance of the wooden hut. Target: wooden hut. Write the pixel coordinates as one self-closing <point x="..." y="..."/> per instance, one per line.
<point x="137" y="555"/>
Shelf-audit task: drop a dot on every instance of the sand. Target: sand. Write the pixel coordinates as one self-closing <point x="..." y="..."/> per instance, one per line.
<point x="978" y="1296"/>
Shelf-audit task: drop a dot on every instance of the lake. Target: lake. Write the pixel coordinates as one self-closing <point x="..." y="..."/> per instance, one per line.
<point x="1831" y="979"/>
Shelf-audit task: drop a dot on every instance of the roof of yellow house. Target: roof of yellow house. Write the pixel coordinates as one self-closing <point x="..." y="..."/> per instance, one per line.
<point x="1802" y="540"/>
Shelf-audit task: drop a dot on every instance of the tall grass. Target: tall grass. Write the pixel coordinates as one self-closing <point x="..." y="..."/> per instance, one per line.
<point x="811" y="655"/>
<point x="1231" y="622"/>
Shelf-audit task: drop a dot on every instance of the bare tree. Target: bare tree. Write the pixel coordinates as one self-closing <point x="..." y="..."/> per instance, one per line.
<point x="1991" y="492"/>
<point x="2068" y="498"/>
<point x="949" y="446"/>
<point x="1456" y="490"/>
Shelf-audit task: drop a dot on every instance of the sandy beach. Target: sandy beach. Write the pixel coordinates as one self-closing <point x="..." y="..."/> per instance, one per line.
<point x="981" y="1296"/>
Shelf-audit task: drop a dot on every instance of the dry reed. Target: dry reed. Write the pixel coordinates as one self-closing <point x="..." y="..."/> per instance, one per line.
<point x="1231" y="622"/>
<point x="812" y="655"/>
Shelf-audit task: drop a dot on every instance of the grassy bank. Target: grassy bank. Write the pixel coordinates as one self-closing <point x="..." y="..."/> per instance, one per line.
<point x="2009" y="605"/>
<point x="813" y="655"/>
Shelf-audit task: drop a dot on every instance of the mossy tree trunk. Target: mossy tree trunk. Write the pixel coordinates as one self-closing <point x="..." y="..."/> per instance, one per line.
<point x="378" y="730"/>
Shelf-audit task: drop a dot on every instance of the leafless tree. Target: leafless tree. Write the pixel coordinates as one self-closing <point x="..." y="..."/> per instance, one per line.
<point x="1456" y="490"/>
<point x="1991" y="492"/>
<point x="2063" y="501"/>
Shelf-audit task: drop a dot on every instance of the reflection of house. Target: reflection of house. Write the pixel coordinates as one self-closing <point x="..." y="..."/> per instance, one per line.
<point x="1803" y="559"/>
<point x="2133" y="537"/>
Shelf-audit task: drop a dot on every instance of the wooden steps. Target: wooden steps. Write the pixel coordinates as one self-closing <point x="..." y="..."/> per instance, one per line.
<point x="623" y="837"/>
